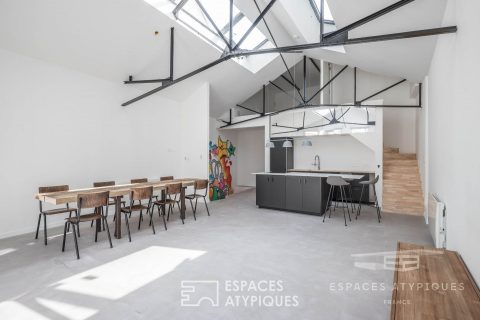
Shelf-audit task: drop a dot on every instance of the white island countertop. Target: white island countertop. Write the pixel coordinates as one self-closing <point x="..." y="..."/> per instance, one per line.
<point x="313" y="174"/>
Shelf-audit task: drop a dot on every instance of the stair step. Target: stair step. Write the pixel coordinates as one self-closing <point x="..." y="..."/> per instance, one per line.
<point x="400" y="162"/>
<point x="402" y="188"/>
<point x="399" y="156"/>
<point x="390" y="149"/>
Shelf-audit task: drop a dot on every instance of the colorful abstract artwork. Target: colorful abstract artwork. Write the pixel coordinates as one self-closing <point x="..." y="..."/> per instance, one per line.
<point x="220" y="162"/>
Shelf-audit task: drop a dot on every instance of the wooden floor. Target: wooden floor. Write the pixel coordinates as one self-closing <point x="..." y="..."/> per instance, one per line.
<point x="433" y="284"/>
<point x="402" y="188"/>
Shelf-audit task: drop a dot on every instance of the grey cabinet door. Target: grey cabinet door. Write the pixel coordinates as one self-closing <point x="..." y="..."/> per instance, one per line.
<point x="277" y="192"/>
<point x="263" y="190"/>
<point x="293" y="193"/>
<point x="312" y="195"/>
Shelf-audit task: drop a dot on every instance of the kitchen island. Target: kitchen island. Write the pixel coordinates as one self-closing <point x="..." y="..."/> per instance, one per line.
<point x="304" y="192"/>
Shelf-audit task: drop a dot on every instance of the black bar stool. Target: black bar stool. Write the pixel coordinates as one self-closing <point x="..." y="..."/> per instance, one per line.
<point x="340" y="183"/>
<point x="367" y="184"/>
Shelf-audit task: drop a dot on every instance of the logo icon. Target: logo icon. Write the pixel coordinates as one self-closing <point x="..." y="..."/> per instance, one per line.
<point x="405" y="260"/>
<point x="196" y="292"/>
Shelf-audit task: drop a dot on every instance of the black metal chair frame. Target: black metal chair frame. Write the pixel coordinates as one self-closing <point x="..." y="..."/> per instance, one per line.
<point x="344" y="201"/>
<point x="375" y="205"/>
<point x="196" y="196"/>
<point x="134" y="208"/>
<point x="76" y="225"/>
<point x="45" y="213"/>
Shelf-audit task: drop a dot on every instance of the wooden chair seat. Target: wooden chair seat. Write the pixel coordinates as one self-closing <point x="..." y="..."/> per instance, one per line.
<point x="193" y="196"/>
<point x="85" y="217"/>
<point x="135" y="207"/>
<point x="166" y="201"/>
<point x="59" y="210"/>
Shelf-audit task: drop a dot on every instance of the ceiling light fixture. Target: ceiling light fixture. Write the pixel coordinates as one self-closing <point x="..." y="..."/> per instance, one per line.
<point x="306" y="143"/>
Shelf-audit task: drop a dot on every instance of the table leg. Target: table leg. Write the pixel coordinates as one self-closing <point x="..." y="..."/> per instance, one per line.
<point x="182" y="204"/>
<point x="118" y="218"/>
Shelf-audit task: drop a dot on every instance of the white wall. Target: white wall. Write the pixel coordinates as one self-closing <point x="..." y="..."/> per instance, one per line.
<point x="400" y="129"/>
<point x="337" y="152"/>
<point x="250" y="155"/>
<point x="195" y="132"/>
<point x="453" y="115"/>
<point x="60" y="126"/>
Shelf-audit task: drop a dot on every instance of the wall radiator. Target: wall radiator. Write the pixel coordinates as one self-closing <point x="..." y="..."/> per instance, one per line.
<point x="437" y="221"/>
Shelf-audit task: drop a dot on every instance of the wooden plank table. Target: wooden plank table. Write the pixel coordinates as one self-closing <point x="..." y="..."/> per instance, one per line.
<point x="117" y="192"/>
<point x="437" y="286"/>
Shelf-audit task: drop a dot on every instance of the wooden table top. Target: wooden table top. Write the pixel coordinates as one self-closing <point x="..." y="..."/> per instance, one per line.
<point x="63" y="197"/>
<point x="456" y="297"/>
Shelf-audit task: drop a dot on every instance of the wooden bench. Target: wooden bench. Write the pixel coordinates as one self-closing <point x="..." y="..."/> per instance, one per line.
<point x="432" y="284"/>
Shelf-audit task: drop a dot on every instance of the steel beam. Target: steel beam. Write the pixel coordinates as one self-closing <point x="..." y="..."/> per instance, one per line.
<point x="171" y="52"/>
<point x="251" y="110"/>
<point x="367" y="19"/>
<point x="179" y="7"/>
<point x="383" y="90"/>
<point x="220" y="34"/>
<point x="184" y="77"/>
<point x="315" y="64"/>
<point x="254" y="24"/>
<point x="284" y="91"/>
<point x="383" y="37"/>
<point x="230" y="40"/>
<point x="327" y="84"/>
<point x="146" y="81"/>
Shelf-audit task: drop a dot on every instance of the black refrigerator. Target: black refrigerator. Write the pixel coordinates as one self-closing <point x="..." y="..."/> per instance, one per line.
<point x="281" y="159"/>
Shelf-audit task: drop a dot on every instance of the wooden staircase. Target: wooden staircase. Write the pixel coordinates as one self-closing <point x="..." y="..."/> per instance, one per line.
<point x="402" y="189"/>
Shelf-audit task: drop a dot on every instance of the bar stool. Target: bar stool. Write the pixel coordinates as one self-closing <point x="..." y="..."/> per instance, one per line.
<point x="198" y="185"/>
<point x="50" y="212"/>
<point x="138" y="194"/>
<point x="96" y="200"/>
<point x="340" y="184"/>
<point x="367" y="184"/>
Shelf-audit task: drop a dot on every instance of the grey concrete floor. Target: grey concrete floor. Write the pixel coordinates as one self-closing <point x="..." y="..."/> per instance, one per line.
<point x="314" y="269"/>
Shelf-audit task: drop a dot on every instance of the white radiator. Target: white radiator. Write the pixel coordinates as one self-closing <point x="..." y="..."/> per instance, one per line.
<point x="437" y="221"/>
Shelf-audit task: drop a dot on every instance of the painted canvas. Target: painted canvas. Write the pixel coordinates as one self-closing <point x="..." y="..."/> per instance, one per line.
<point x="220" y="162"/>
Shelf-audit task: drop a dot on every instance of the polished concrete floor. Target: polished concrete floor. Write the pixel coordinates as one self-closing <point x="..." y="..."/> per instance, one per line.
<point x="240" y="263"/>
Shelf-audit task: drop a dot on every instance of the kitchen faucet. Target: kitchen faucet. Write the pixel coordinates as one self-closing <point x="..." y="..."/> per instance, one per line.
<point x="317" y="157"/>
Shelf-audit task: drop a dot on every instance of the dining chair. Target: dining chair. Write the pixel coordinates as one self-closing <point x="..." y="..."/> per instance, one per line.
<point x="138" y="194"/>
<point x="172" y="192"/>
<point x="165" y="178"/>
<point x="138" y="180"/>
<point x="95" y="200"/>
<point x="198" y="185"/>
<point x="112" y="200"/>
<point x="50" y="212"/>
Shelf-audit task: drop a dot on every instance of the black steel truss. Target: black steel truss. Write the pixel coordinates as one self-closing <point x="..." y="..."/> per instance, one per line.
<point x="336" y="38"/>
<point x="164" y="80"/>
<point x="307" y="105"/>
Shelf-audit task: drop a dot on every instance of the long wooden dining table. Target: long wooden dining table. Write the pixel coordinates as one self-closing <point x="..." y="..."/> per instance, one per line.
<point x="117" y="192"/>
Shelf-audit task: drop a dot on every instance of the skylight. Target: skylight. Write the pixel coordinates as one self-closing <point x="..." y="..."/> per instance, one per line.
<point x="204" y="20"/>
<point x="328" y="14"/>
